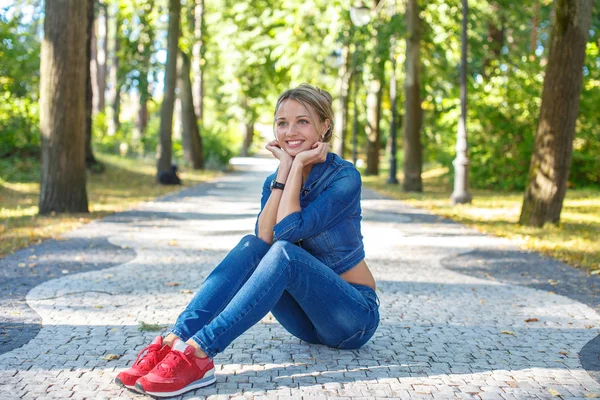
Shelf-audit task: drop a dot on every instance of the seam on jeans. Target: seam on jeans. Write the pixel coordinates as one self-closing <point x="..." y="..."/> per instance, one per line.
<point x="203" y="346"/>
<point x="178" y="333"/>
<point x="357" y="333"/>
<point x="252" y="306"/>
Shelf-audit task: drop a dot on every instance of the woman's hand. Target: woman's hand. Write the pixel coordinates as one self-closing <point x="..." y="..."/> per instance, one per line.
<point x="278" y="152"/>
<point x="316" y="155"/>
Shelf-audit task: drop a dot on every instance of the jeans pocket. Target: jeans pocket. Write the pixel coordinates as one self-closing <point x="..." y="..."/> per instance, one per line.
<point x="358" y="339"/>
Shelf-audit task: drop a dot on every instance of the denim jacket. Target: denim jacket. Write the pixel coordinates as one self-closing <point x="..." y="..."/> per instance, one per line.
<point x="328" y="225"/>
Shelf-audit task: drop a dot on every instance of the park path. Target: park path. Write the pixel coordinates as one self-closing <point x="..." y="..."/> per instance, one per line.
<point x="444" y="333"/>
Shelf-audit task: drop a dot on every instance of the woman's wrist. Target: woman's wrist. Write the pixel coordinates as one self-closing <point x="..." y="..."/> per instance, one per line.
<point x="283" y="171"/>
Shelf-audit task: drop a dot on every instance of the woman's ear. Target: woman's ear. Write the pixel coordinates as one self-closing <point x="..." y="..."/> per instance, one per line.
<point x="325" y="128"/>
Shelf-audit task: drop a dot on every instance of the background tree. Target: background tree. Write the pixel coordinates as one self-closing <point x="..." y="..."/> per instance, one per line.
<point x="191" y="139"/>
<point x="62" y="115"/>
<point x="166" y="112"/>
<point x="90" y="160"/>
<point x="551" y="160"/>
<point x="413" y="114"/>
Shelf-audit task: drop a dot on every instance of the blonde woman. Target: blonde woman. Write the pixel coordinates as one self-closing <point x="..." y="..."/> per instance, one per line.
<point x="305" y="262"/>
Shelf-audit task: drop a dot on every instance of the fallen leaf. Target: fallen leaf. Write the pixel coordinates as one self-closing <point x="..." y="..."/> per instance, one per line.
<point x="31" y="265"/>
<point x="592" y="396"/>
<point x="531" y="320"/>
<point x="144" y="327"/>
<point x="172" y="284"/>
<point x="98" y="306"/>
<point x="553" y="282"/>
<point x="554" y="392"/>
<point x="111" y="357"/>
<point x="589" y="326"/>
<point x="22" y="265"/>
<point x="564" y="353"/>
<point x="508" y="333"/>
<point x="186" y="291"/>
<point x="173" y="243"/>
<point x="595" y="272"/>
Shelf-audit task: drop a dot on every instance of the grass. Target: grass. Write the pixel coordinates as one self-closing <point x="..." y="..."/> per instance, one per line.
<point x="125" y="183"/>
<point x="574" y="241"/>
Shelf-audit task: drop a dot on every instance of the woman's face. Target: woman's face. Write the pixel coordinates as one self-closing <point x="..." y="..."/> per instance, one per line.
<point x="295" y="129"/>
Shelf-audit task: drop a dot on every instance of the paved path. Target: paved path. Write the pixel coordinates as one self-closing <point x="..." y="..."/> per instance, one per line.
<point x="449" y="329"/>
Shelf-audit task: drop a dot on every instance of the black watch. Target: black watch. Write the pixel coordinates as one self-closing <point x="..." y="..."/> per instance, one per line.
<point x="277" y="185"/>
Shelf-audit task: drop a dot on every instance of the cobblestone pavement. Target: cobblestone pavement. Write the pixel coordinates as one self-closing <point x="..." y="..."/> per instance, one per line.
<point x="445" y="333"/>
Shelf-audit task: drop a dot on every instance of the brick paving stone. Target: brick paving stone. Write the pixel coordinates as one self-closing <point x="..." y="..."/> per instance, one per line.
<point x="440" y="334"/>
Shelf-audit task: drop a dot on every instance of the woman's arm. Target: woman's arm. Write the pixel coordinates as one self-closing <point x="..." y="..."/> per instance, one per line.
<point x="268" y="215"/>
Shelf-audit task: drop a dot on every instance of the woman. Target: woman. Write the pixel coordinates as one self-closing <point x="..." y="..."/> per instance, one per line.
<point x="305" y="263"/>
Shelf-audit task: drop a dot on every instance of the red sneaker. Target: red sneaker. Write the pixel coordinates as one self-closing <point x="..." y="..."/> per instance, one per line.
<point x="145" y="361"/>
<point x="179" y="372"/>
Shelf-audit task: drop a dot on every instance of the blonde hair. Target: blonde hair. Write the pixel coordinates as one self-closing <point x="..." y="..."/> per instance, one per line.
<point x="320" y="100"/>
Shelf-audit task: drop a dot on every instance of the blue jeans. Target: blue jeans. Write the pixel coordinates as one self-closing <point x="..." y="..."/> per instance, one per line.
<point x="310" y="300"/>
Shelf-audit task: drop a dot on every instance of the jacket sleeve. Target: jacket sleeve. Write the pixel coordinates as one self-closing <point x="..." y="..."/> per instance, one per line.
<point x="266" y="192"/>
<point x="331" y="206"/>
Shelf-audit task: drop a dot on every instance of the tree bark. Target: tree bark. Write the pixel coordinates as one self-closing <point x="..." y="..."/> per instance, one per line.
<point x="412" y="86"/>
<point x="90" y="160"/>
<point x="198" y="51"/>
<point x="534" y="28"/>
<point x="114" y="121"/>
<point x="551" y="158"/>
<point x="166" y="111"/>
<point x="192" y="141"/>
<point x="62" y="107"/>
<point x="373" y="128"/>
<point x="341" y="128"/>
<point x="495" y="40"/>
<point x="101" y="58"/>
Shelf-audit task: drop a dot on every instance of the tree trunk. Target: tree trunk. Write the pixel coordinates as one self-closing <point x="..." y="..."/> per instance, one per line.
<point x="199" y="62"/>
<point x="495" y="40"/>
<point x="534" y="28"/>
<point x="101" y="58"/>
<point x="166" y="111"/>
<point x="192" y="141"/>
<point x="551" y="158"/>
<point x="373" y="128"/>
<point x="412" y="86"/>
<point x="62" y="107"/>
<point x="341" y="128"/>
<point x="90" y="160"/>
<point x="248" y="137"/>
<point x="115" y="85"/>
<point x="94" y="65"/>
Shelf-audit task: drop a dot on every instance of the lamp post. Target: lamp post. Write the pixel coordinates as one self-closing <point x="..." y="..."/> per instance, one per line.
<point x="360" y="16"/>
<point x="461" y="194"/>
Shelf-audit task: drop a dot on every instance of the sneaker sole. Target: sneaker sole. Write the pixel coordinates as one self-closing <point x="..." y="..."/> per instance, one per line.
<point x="200" y="383"/>
<point x="120" y="383"/>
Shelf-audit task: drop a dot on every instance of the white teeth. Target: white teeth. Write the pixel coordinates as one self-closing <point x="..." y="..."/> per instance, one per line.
<point x="293" y="142"/>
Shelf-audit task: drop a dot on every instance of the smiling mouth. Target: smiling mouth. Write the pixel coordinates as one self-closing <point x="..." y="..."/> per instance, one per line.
<point x="294" y="143"/>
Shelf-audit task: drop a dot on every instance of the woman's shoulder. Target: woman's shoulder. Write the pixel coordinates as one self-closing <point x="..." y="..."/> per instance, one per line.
<point x="340" y="164"/>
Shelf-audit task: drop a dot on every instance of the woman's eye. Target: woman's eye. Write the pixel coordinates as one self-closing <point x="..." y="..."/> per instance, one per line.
<point x="303" y="121"/>
<point x="281" y="123"/>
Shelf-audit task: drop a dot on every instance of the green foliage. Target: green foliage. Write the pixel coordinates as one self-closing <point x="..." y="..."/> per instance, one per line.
<point x="19" y="83"/>
<point x="254" y="49"/>
<point x="220" y="144"/>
